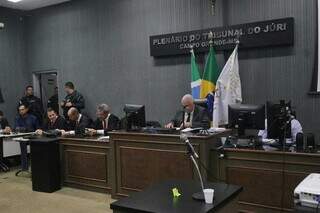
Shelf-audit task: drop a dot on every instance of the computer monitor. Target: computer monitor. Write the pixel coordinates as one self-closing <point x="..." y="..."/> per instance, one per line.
<point x="278" y="120"/>
<point x="245" y="116"/>
<point x="135" y="117"/>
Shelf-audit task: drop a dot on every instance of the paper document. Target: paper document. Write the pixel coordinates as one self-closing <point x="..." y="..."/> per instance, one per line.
<point x="214" y="130"/>
<point x="104" y="138"/>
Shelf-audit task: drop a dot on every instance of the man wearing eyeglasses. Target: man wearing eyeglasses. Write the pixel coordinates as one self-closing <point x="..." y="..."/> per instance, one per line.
<point x="192" y="116"/>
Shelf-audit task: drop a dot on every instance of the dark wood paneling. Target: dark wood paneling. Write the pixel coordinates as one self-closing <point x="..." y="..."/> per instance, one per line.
<point x="142" y="167"/>
<point x="87" y="164"/>
<point x="291" y="180"/>
<point x="254" y="182"/>
<point x="142" y="159"/>
<point x="268" y="177"/>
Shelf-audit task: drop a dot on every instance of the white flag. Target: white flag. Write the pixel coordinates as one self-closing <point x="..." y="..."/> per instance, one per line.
<point x="228" y="90"/>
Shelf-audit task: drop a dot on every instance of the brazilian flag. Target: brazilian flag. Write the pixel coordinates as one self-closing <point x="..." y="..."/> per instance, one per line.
<point x="210" y="75"/>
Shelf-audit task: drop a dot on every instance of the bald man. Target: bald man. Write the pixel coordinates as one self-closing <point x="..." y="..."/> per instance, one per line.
<point x="80" y="122"/>
<point x="191" y="116"/>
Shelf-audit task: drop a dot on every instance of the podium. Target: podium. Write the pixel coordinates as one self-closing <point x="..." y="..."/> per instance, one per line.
<point x="45" y="165"/>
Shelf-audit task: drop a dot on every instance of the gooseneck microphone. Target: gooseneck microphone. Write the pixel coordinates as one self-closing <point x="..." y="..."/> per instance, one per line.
<point x="192" y="153"/>
<point x="185" y="139"/>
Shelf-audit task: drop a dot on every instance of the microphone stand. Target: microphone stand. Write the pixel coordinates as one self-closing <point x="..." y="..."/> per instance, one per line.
<point x="192" y="154"/>
<point x="197" y="195"/>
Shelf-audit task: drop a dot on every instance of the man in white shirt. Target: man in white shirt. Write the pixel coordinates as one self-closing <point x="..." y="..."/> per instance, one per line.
<point x="295" y="129"/>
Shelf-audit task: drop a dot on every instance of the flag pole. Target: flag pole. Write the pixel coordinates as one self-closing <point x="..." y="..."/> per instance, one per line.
<point x="210" y="36"/>
<point x="191" y="48"/>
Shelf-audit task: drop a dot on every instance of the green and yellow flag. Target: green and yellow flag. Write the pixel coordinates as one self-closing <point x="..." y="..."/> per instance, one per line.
<point x="210" y="75"/>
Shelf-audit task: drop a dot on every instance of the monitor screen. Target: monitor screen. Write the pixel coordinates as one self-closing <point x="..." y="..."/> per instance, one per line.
<point x="245" y="116"/>
<point x="135" y="116"/>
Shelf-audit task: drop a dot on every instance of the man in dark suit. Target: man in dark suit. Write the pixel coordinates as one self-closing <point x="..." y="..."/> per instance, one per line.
<point x="54" y="122"/>
<point x="79" y="123"/>
<point x="4" y="124"/>
<point x="192" y="116"/>
<point x="105" y="121"/>
<point x="34" y="104"/>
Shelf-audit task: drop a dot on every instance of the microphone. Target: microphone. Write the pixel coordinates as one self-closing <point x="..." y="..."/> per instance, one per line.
<point x="189" y="145"/>
<point x="192" y="154"/>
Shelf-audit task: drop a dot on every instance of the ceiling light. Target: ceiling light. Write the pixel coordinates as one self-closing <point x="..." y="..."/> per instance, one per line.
<point x="14" y="1"/>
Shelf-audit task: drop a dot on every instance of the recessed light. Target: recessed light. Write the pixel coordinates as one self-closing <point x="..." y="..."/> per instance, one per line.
<point x="14" y="1"/>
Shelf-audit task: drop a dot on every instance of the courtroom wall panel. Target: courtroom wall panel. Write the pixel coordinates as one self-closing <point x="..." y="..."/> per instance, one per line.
<point x="14" y="74"/>
<point x="103" y="47"/>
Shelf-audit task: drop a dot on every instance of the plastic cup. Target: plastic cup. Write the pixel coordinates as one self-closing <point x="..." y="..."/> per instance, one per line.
<point x="208" y="195"/>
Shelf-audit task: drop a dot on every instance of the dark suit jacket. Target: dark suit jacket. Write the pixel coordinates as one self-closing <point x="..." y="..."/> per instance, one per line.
<point x="4" y="123"/>
<point x="59" y="124"/>
<point x="79" y="128"/>
<point x="113" y="124"/>
<point x="200" y="117"/>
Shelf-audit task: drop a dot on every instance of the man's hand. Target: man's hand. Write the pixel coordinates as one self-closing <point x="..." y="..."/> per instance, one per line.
<point x="169" y="125"/>
<point x="92" y="132"/>
<point x="39" y="132"/>
<point x="68" y="104"/>
<point x="63" y="132"/>
<point x="186" y="125"/>
<point x="7" y="130"/>
<point x="62" y="104"/>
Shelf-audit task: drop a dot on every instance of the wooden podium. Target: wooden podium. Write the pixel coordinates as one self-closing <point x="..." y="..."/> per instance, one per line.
<point x="142" y="159"/>
<point x="45" y="165"/>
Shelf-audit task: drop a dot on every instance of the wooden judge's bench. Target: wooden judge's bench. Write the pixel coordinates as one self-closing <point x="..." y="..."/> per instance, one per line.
<point x="268" y="177"/>
<point x="130" y="162"/>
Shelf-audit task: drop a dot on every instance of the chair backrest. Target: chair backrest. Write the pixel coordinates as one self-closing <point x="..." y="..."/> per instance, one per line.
<point x="153" y="124"/>
<point x="299" y="141"/>
<point x="310" y="142"/>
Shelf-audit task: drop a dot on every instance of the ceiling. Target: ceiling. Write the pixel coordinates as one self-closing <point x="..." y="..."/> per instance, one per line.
<point x="30" y="4"/>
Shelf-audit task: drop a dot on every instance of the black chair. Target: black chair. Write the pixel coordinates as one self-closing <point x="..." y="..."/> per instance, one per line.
<point x="299" y="142"/>
<point x="123" y="123"/>
<point x="155" y="124"/>
<point x="310" y="142"/>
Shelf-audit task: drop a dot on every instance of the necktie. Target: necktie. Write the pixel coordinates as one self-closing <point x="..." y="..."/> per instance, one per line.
<point x="188" y="118"/>
<point x="104" y="124"/>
